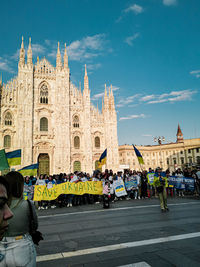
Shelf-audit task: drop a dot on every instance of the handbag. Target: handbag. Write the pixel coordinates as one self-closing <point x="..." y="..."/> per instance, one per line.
<point x="36" y="235"/>
<point x="159" y="189"/>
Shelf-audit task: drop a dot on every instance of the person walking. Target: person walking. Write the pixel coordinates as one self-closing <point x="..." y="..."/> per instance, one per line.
<point x="160" y="182"/>
<point x="17" y="245"/>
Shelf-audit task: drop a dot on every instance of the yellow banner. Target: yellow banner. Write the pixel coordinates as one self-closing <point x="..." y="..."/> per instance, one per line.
<point x="42" y="193"/>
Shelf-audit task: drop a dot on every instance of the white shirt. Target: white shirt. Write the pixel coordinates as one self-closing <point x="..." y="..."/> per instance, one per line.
<point x="40" y="182"/>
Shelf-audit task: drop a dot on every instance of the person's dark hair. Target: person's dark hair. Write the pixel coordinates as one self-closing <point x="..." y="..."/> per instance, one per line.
<point x="16" y="183"/>
<point x="5" y="183"/>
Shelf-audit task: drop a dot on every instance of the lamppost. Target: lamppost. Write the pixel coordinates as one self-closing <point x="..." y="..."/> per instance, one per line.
<point x="159" y="140"/>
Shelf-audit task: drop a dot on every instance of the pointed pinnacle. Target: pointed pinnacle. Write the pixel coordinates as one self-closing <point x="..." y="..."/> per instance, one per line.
<point x="22" y="45"/>
<point x="29" y="46"/>
<point x="105" y="90"/>
<point x="85" y="70"/>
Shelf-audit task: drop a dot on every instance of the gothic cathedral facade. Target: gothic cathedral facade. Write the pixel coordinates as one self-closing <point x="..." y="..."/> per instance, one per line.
<point x="54" y="123"/>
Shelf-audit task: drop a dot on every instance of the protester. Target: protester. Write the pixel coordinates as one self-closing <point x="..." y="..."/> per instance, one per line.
<point x="17" y="241"/>
<point x="41" y="181"/>
<point x="160" y="182"/>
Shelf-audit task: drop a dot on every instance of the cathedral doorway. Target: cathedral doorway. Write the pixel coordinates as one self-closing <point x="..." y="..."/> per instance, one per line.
<point x="43" y="160"/>
<point x="77" y="166"/>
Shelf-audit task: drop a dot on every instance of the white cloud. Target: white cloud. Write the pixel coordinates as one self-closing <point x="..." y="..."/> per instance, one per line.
<point x="169" y="2"/>
<point x="88" y="47"/>
<point x="129" y="40"/>
<point x="195" y="73"/>
<point x="38" y="49"/>
<point x="124" y="101"/>
<point x="97" y="96"/>
<point x="174" y="96"/>
<point x="5" y="65"/>
<point x="147" y="97"/>
<point x="130" y="117"/>
<point x="93" y="66"/>
<point x="136" y="9"/>
<point x="147" y="135"/>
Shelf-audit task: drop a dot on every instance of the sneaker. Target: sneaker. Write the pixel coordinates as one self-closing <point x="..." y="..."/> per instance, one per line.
<point x="39" y="208"/>
<point x="70" y="205"/>
<point x="162" y="210"/>
<point x="166" y="209"/>
<point x="42" y="208"/>
<point x="46" y="207"/>
<point x="138" y="197"/>
<point x="135" y="197"/>
<point x="53" y="207"/>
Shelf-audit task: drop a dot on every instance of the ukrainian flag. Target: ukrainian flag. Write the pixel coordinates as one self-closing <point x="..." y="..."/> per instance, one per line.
<point x="30" y="170"/>
<point x="14" y="157"/>
<point x="139" y="156"/>
<point x="102" y="159"/>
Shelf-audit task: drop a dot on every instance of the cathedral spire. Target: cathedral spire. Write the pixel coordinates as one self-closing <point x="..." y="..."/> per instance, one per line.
<point x="86" y="83"/>
<point x="65" y="58"/>
<point x="29" y="54"/>
<point x="58" y="58"/>
<point x="105" y="92"/>
<point x="22" y="54"/>
<point x="111" y="91"/>
<point x="179" y="135"/>
<point x="1" y="81"/>
<point x="105" y="98"/>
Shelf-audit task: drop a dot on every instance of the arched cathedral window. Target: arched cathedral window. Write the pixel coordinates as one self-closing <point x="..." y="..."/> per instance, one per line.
<point x="77" y="142"/>
<point x="44" y="124"/>
<point x="8" y="119"/>
<point x="97" y="142"/>
<point x="76" y="121"/>
<point x="7" y="141"/>
<point x="44" y="94"/>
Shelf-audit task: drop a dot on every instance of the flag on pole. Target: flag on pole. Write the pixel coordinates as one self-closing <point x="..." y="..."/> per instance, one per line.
<point x="3" y="160"/>
<point x="30" y="170"/>
<point x="14" y="157"/>
<point x="102" y="159"/>
<point x="139" y="156"/>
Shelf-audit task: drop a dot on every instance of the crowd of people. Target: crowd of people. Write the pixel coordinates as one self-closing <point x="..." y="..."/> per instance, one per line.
<point x="143" y="188"/>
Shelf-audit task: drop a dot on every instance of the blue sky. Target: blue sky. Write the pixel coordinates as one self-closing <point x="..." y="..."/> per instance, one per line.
<point x="149" y="50"/>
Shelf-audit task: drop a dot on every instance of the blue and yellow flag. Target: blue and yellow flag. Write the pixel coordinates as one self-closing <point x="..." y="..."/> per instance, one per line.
<point x="139" y="156"/>
<point x="14" y="157"/>
<point x="30" y="170"/>
<point x="102" y="159"/>
<point x="3" y="160"/>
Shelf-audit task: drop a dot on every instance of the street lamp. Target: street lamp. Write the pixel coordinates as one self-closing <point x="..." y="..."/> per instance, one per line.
<point x="159" y="140"/>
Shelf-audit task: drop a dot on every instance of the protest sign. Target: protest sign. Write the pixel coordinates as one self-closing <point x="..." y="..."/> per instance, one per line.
<point x="42" y="193"/>
<point x="184" y="183"/>
<point x="131" y="184"/>
<point x="119" y="188"/>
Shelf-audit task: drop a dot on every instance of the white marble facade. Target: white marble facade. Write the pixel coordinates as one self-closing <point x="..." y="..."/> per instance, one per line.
<point x="45" y="115"/>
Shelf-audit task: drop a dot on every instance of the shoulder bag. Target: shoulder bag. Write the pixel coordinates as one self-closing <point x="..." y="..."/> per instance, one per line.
<point x="36" y="235"/>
